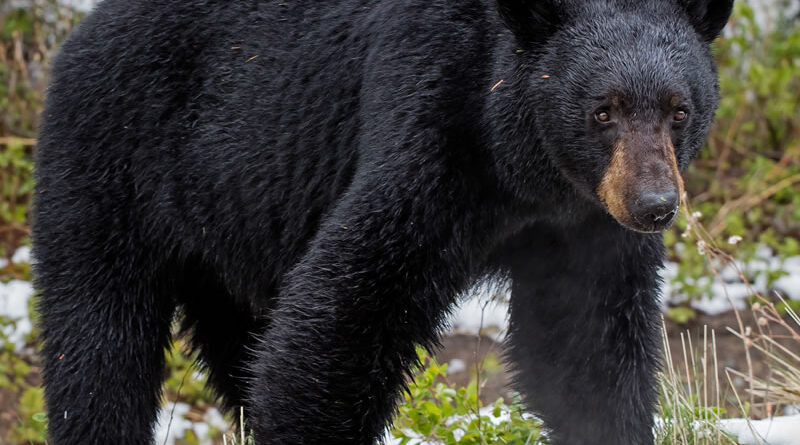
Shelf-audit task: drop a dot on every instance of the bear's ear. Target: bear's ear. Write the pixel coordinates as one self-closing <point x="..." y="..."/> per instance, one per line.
<point x="708" y="16"/>
<point x="532" y="21"/>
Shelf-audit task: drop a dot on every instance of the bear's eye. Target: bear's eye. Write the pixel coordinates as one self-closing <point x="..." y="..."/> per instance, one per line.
<point x="680" y="115"/>
<point x="602" y="116"/>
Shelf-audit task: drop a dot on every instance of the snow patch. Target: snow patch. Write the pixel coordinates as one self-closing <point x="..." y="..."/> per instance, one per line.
<point x="775" y="431"/>
<point x="790" y="284"/>
<point x="722" y="297"/>
<point x="792" y="410"/>
<point x="456" y="365"/>
<point x="215" y="419"/>
<point x="80" y="5"/>
<point x="168" y="434"/>
<point x="731" y="289"/>
<point x="14" y="297"/>
<point x="481" y="314"/>
<point x="22" y="255"/>
<point x="172" y="424"/>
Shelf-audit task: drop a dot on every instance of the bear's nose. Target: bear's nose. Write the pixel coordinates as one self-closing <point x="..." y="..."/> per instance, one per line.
<point x="656" y="209"/>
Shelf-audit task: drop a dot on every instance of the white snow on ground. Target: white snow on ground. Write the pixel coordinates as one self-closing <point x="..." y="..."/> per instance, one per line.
<point x="80" y="5"/>
<point x="722" y="297"/>
<point x="456" y="365"/>
<point x="22" y="255"/>
<point x="14" y="297"/>
<point x="790" y="284"/>
<point x="734" y="290"/>
<point x="775" y="431"/>
<point x="172" y="424"/>
<point x="478" y="312"/>
<point x="167" y="433"/>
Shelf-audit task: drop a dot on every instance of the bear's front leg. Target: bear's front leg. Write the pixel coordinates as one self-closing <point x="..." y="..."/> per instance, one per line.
<point x="584" y="329"/>
<point x="374" y="283"/>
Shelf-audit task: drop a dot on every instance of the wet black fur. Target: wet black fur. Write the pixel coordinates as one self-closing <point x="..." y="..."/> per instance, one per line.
<point x="311" y="184"/>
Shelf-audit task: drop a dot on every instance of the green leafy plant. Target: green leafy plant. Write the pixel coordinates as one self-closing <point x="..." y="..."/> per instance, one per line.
<point x="184" y="380"/>
<point x="32" y="425"/>
<point x="435" y="410"/>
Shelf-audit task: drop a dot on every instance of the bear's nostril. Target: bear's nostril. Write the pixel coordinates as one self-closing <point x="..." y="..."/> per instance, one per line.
<point x="667" y="216"/>
<point x="656" y="209"/>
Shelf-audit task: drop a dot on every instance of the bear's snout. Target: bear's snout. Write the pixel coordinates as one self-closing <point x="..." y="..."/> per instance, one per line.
<point x="642" y="185"/>
<point x="655" y="211"/>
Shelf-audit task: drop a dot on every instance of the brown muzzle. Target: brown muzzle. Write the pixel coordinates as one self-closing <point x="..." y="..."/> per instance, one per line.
<point x="642" y="186"/>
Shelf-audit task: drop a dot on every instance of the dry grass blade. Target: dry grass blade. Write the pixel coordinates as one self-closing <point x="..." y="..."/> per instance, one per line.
<point x="686" y="417"/>
<point x="783" y="388"/>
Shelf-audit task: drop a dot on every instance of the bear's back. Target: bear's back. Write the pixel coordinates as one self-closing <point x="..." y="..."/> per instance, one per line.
<point x="206" y="126"/>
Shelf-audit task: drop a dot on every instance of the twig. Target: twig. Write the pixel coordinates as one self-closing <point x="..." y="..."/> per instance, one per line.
<point x="8" y="140"/>
<point x="175" y="403"/>
<point x="747" y="202"/>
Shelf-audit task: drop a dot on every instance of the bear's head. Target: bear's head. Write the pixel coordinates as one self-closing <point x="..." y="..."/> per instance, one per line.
<point x="622" y="95"/>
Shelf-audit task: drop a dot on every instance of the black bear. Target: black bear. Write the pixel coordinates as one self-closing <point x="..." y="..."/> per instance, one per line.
<point x="309" y="185"/>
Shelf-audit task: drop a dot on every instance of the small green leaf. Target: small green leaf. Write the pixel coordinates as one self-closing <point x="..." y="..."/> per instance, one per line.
<point x="681" y="314"/>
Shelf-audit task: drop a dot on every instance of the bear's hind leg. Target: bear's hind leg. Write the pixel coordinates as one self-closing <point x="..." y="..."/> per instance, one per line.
<point x="584" y="331"/>
<point x="105" y="329"/>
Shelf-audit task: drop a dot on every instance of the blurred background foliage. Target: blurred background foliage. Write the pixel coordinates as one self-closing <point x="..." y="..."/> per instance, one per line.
<point x="746" y="181"/>
<point x="30" y="31"/>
